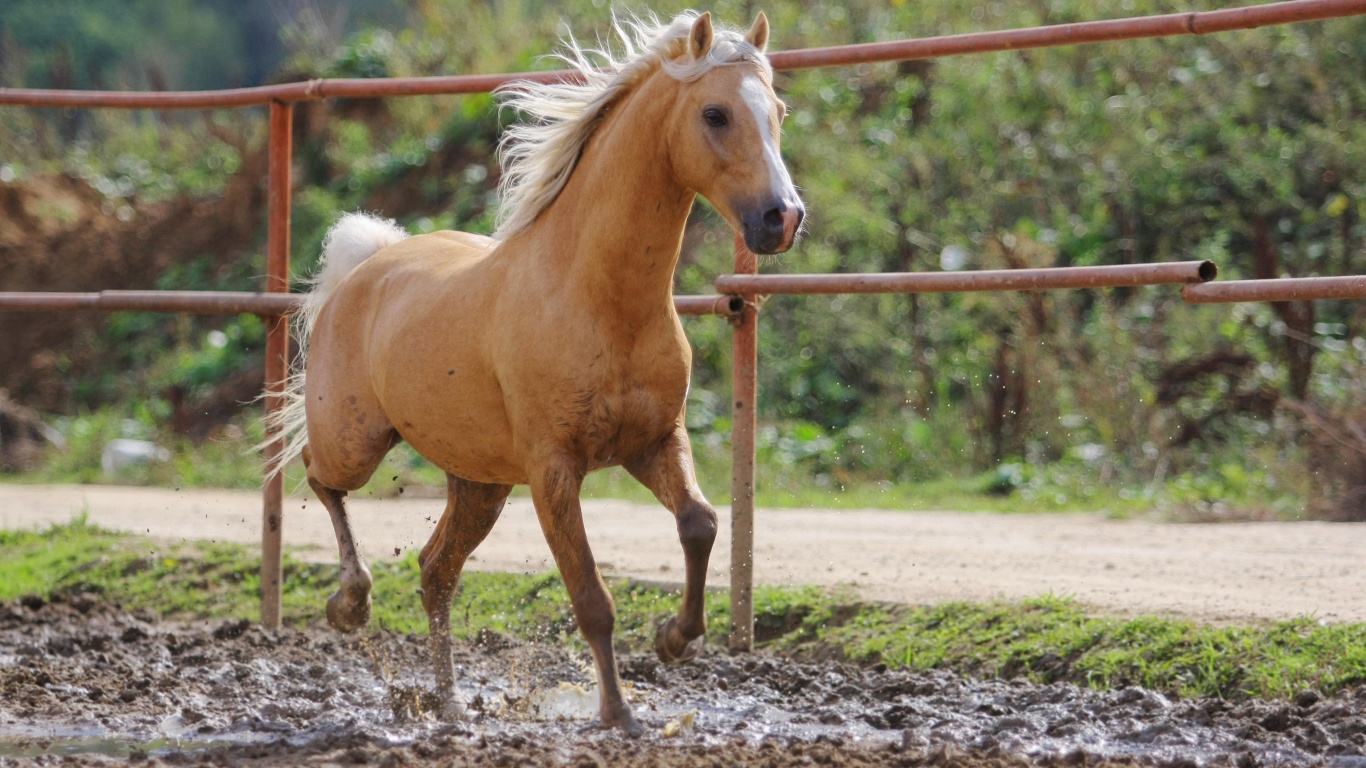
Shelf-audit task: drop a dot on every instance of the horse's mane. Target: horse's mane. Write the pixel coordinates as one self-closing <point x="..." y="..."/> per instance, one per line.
<point x="539" y="155"/>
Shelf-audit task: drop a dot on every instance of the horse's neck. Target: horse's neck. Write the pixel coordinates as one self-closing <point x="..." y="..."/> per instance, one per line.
<point x="616" y="228"/>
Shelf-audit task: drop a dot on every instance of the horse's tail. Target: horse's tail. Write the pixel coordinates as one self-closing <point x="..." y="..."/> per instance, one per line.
<point x="353" y="239"/>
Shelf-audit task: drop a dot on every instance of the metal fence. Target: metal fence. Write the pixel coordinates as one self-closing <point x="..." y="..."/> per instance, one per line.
<point x="739" y="294"/>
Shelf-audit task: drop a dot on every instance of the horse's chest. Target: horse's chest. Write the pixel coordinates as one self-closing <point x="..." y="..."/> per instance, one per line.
<point x="626" y="410"/>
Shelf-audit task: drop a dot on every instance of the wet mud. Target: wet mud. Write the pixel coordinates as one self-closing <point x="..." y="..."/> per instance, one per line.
<point x="85" y="683"/>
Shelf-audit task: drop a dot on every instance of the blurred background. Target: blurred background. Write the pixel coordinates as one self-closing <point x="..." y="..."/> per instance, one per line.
<point x="1245" y="148"/>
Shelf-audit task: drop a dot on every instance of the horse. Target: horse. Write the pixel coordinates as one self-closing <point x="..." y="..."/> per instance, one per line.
<point x="551" y="349"/>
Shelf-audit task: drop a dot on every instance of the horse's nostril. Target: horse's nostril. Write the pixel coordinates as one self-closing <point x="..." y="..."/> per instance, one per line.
<point x="773" y="217"/>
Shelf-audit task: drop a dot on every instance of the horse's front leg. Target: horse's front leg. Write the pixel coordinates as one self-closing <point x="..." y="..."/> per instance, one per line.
<point x="555" y="492"/>
<point x="668" y="472"/>
<point x="471" y="510"/>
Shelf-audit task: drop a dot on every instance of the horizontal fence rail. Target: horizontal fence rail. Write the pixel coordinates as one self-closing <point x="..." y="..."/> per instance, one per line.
<point x="236" y="303"/>
<point x="312" y="90"/>
<point x="188" y="302"/>
<point x="1281" y="289"/>
<point x="1193" y="274"/>
<point x="1047" y="278"/>
<point x="1196" y="23"/>
<point x="1170" y="25"/>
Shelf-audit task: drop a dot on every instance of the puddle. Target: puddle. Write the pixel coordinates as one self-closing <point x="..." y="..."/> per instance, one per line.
<point x="566" y="701"/>
<point x="29" y="741"/>
<point x="94" y="684"/>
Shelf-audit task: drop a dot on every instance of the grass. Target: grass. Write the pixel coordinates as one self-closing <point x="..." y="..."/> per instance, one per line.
<point x="1051" y="639"/>
<point x="1047" y="639"/>
<point x="226" y="461"/>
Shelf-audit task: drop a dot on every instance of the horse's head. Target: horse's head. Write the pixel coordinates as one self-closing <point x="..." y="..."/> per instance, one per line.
<point x="723" y="142"/>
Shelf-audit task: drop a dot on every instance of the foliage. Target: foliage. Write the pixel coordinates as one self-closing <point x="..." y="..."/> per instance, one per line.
<point x="1046" y="639"/>
<point x="1243" y="147"/>
<point x="1139" y="151"/>
<point x="161" y="44"/>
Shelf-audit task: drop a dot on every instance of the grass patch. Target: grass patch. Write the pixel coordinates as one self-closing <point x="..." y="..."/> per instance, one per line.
<point x="1050" y="639"/>
<point x="227" y="461"/>
<point x="1047" y="639"/>
<point x="203" y="580"/>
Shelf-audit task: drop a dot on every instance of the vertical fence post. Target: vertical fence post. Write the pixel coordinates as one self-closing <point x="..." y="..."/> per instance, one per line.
<point x="744" y="388"/>
<point x="277" y="352"/>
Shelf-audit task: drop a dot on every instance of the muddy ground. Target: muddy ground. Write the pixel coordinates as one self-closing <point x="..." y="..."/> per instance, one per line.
<point x="82" y="682"/>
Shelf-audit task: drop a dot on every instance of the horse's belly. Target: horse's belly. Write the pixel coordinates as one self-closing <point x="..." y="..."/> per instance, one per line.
<point x="453" y="418"/>
<point x="466" y="444"/>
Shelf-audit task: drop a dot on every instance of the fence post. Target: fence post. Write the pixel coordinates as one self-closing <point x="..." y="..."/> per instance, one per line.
<point x="744" y="387"/>
<point x="277" y="352"/>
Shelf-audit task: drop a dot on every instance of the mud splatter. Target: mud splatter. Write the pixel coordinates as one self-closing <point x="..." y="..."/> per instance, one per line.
<point x="86" y="683"/>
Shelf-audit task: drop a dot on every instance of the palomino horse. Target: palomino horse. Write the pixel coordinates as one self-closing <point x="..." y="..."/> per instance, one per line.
<point x="551" y="349"/>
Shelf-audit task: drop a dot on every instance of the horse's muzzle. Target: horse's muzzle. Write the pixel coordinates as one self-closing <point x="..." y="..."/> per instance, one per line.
<point x="772" y="228"/>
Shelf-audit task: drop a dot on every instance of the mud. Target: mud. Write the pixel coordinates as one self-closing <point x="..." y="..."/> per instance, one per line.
<point x="84" y="683"/>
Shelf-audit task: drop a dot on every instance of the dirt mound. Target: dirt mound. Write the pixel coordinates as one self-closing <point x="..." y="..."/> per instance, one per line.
<point x="57" y="233"/>
<point x="23" y="436"/>
<point x="84" y="682"/>
<point x="1337" y="454"/>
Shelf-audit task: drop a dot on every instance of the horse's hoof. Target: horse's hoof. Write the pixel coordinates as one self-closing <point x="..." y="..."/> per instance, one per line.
<point x="454" y="709"/>
<point x="624" y="722"/>
<point x="347" y="615"/>
<point x="670" y="646"/>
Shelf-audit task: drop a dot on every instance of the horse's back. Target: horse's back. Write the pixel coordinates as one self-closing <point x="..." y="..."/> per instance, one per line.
<point x="480" y="243"/>
<point x="436" y="252"/>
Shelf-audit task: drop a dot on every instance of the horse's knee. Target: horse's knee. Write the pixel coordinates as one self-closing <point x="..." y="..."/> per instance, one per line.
<point x="438" y="590"/>
<point x="697" y="526"/>
<point x="437" y="564"/>
<point x="596" y="614"/>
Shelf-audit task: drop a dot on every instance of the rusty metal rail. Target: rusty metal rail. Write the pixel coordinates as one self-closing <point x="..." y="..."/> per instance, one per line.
<point x="284" y="93"/>
<point x="1281" y="289"/>
<point x="744" y="387"/>
<point x="1169" y="25"/>
<point x="1048" y="278"/>
<point x="740" y="305"/>
<point x="1197" y="23"/>
<point x="187" y="302"/>
<point x="238" y="303"/>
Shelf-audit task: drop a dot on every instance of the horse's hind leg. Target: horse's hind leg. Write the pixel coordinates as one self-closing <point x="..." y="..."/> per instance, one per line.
<point x="349" y="607"/>
<point x="471" y="510"/>
<point x="668" y="473"/>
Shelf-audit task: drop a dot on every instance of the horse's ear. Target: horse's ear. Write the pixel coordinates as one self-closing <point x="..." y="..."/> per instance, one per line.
<point x="699" y="39"/>
<point x="758" y="32"/>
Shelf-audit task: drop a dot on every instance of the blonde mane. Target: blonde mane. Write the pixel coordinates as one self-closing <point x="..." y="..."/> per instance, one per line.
<point x="539" y="155"/>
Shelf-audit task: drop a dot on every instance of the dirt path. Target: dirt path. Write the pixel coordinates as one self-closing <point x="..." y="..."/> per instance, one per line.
<point x="1216" y="572"/>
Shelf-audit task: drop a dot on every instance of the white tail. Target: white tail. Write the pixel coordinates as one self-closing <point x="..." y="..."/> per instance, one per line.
<point x="353" y="239"/>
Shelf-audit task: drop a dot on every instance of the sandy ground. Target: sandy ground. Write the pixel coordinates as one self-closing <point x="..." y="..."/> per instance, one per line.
<point x="1225" y="572"/>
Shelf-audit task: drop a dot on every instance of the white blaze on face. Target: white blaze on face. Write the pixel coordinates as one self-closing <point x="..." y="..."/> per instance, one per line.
<point x="756" y="96"/>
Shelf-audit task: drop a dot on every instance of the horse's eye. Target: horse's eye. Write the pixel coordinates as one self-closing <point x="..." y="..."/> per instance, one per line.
<point x="714" y="117"/>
